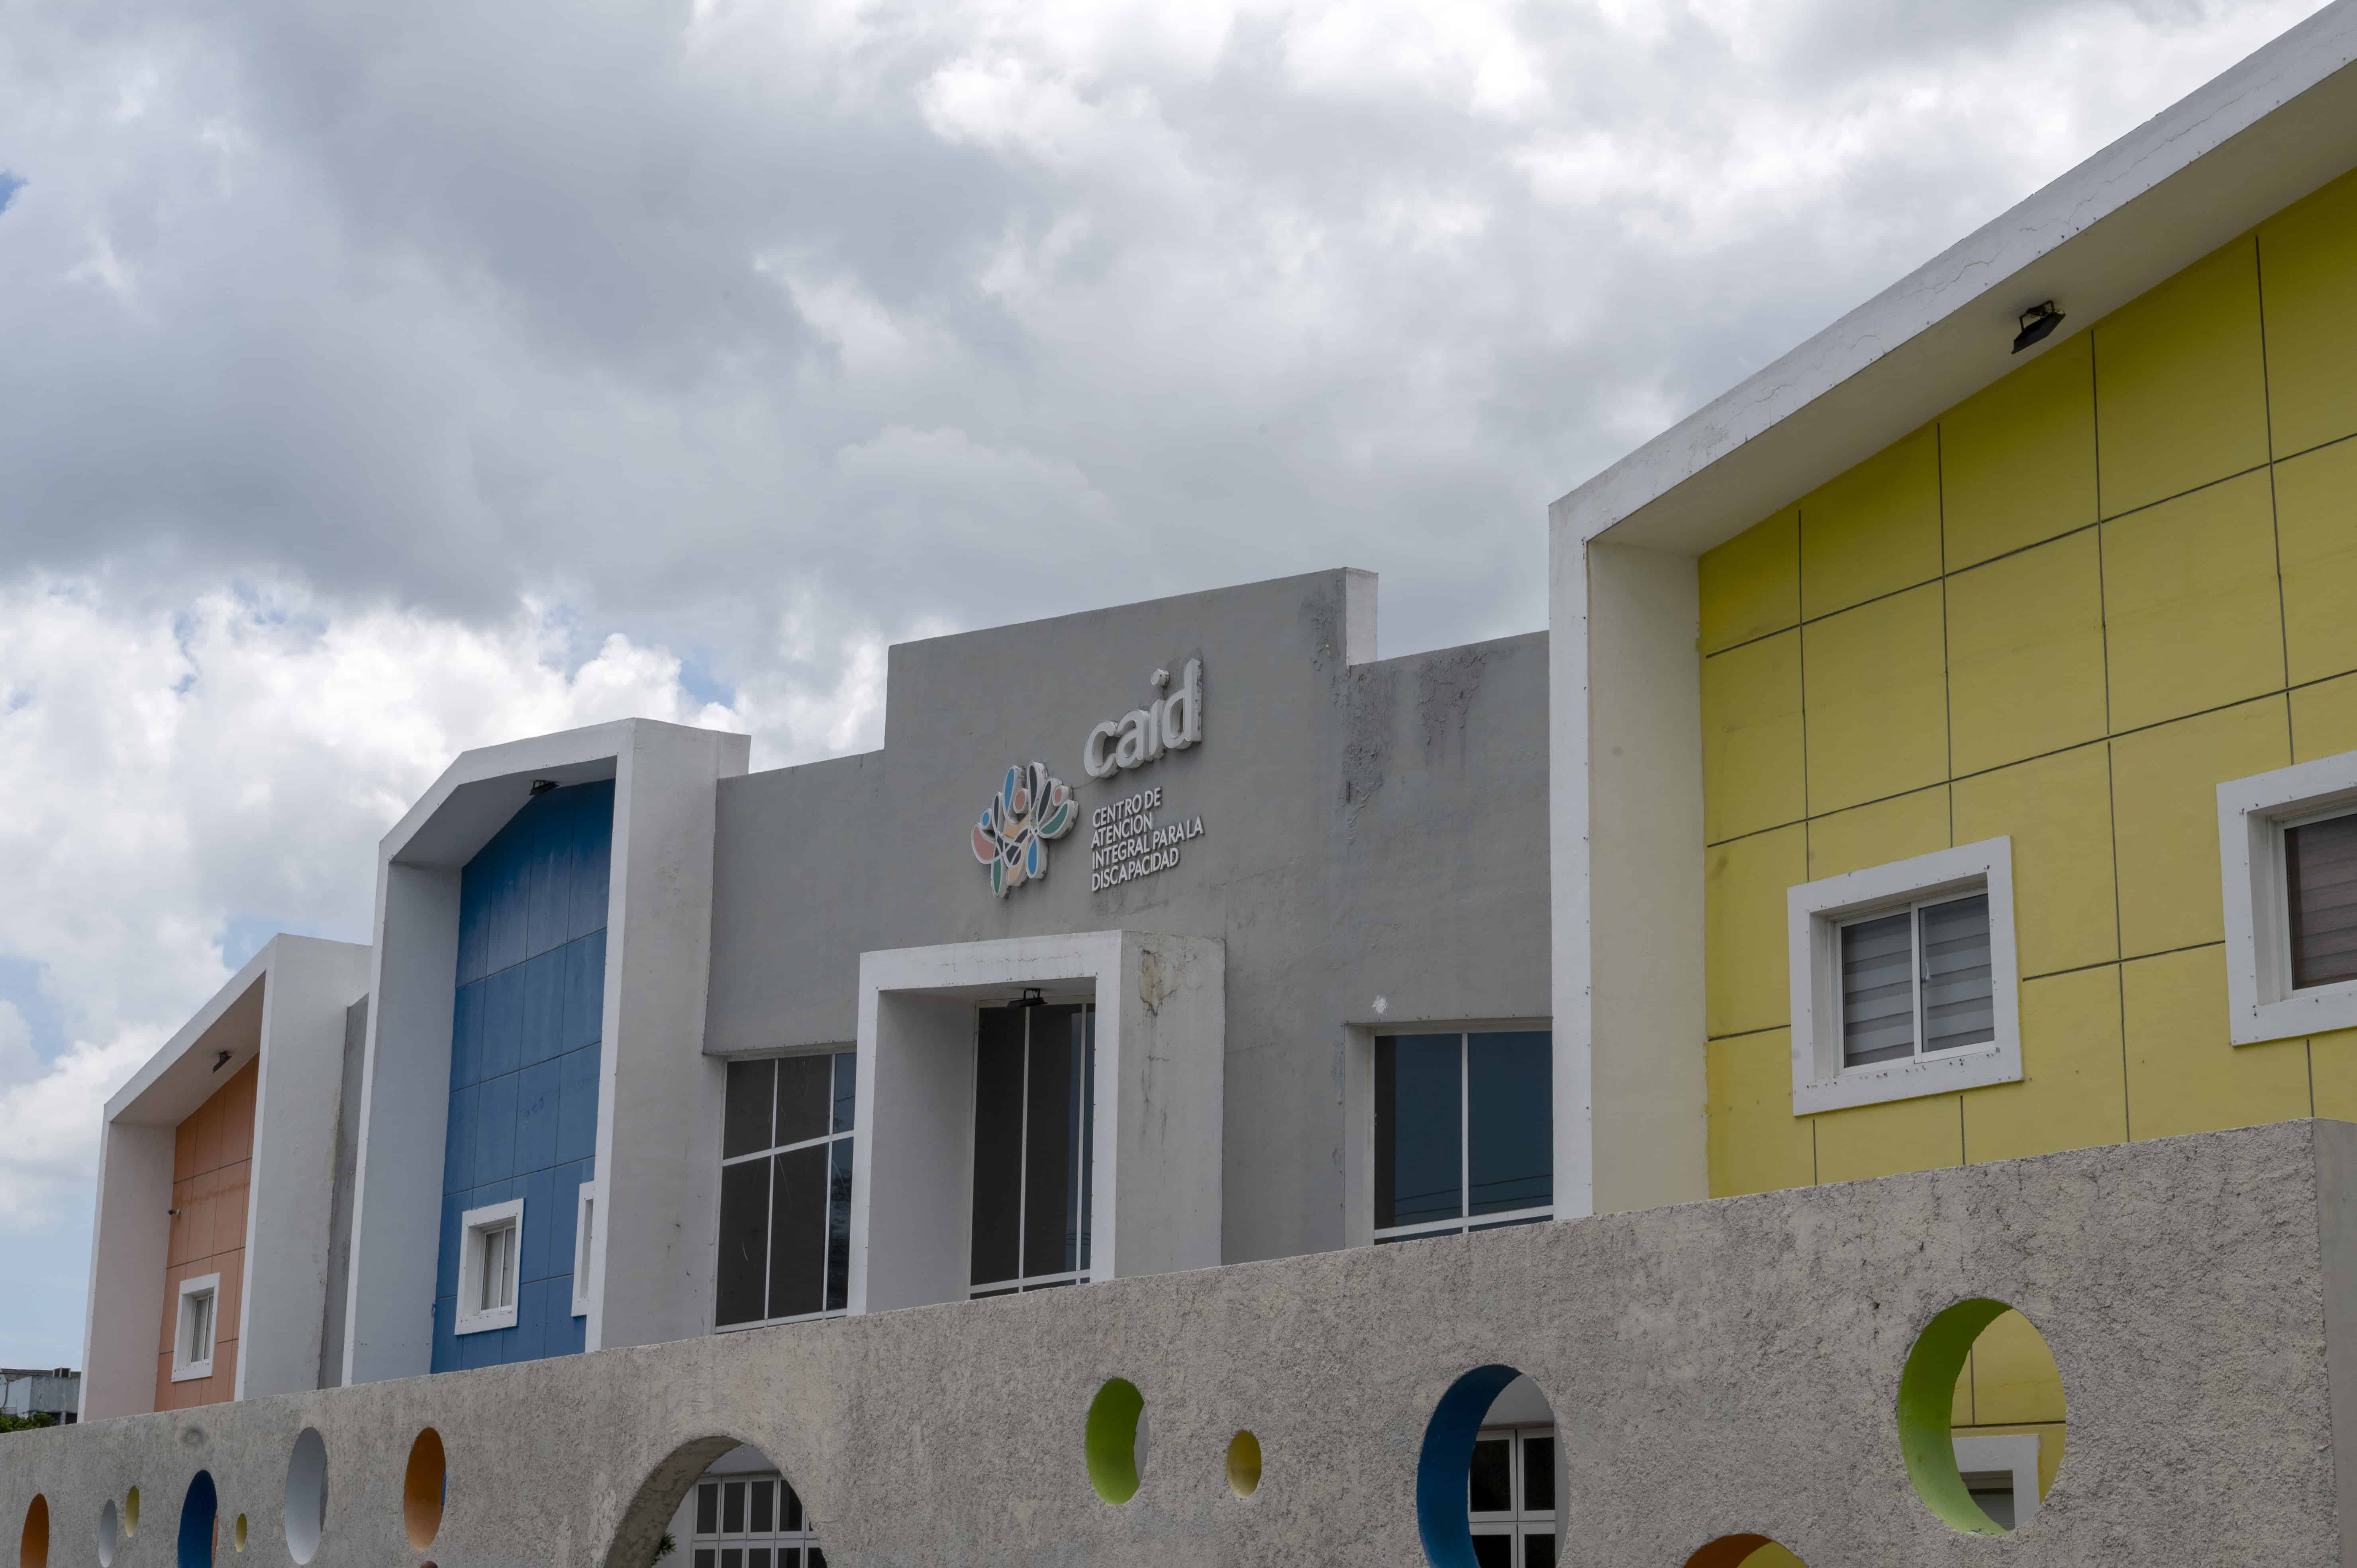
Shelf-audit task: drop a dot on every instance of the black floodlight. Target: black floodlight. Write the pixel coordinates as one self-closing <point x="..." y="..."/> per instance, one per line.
<point x="221" y="1062"/>
<point x="543" y="786"/>
<point x="2038" y="324"/>
<point x="1031" y="998"/>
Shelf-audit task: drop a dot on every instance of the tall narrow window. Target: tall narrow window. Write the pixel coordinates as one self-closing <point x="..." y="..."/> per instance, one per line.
<point x="1034" y="1137"/>
<point x="2320" y="885"/>
<point x="785" y="1189"/>
<point x="1917" y="980"/>
<point x="196" y="1328"/>
<point x="1464" y="1132"/>
<point x="491" y="1250"/>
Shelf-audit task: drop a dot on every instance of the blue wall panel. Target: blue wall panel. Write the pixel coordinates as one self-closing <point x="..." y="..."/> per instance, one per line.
<point x="525" y="1055"/>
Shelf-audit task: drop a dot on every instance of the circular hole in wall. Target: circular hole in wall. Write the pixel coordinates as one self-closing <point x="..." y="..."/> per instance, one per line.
<point x="1488" y="1476"/>
<point x="306" y="1494"/>
<point x="1744" y="1552"/>
<point x="424" y="1486"/>
<point x="33" y="1546"/>
<point x="1981" y="1417"/>
<point x="110" y="1529"/>
<point x="131" y="1512"/>
<point x="237" y="1533"/>
<point x="1244" y="1464"/>
<point x="199" y="1511"/>
<point x="1117" y="1440"/>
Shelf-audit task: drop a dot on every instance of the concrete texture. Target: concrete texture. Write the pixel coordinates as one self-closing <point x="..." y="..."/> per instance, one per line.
<point x="1372" y="828"/>
<point x="1716" y="1368"/>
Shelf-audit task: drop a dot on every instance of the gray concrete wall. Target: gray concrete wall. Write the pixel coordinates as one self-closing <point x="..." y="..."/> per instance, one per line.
<point x="1716" y="1368"/>
<point x="1370" y="829"/>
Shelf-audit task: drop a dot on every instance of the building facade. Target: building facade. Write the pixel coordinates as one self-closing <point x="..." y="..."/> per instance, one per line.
<point x="1943" y="754"/>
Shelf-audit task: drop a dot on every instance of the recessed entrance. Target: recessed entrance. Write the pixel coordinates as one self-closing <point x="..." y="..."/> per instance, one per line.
<point x="1034" y="1119"/>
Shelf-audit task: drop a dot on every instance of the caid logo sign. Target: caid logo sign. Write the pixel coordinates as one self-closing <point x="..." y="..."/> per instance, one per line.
<point x="1012" y="836"/>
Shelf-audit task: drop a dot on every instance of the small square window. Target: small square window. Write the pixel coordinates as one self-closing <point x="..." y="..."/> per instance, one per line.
<point x="2287" y="850"/>
<point x="490" y="1249"/>
<point x="197" y="1327"/>
<point x="1903" y="980"/>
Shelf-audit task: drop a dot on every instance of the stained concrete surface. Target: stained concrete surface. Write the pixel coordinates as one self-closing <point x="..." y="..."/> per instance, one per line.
<point x="1716" y="1368"/>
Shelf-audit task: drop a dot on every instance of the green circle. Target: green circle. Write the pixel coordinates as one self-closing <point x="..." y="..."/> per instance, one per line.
<point x="1113" y="1440"/>
<point x="1927" y="1411"/>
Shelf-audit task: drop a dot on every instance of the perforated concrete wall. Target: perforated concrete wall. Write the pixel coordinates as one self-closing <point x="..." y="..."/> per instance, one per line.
<point x="1716" y="1368"/>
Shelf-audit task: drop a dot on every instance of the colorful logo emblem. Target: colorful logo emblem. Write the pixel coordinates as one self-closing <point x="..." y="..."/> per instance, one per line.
<point x="1012" y="836"/>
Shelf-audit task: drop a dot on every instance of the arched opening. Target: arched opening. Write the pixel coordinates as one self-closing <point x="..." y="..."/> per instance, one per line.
<point x="1981" y="1417"/>
<point x="306" y="1494"/>
<point x="717" y="1503"/>
<point x="1489" y="1474"/>
<point x="33" y="1546"/>
<point x="425" y="1487"/>
<point x="199" y="1512"/>
<point x="1744" y="1552"/>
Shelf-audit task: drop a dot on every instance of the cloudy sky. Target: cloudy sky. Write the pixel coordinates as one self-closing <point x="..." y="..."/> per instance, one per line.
<point x="379" y="381"/>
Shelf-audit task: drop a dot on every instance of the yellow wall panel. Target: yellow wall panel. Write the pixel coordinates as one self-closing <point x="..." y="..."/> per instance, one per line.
<point x="1757" y="1144"/>
<point x="2058" y="811"/>
<point x="2026" y="654"/>
<point x="2015" y="1380"/>
<point x="1884" y="1140"/>
<point x="2316" y="531"/>
<point x="2181" y="384"/>
<point x="1745" y="955"/>
<point x="2311" y="313"/>
<point x="1873" y="530"/>
<point x="2332" y="1073"/>
<point x="2072" y="1093"/>
<point x="1960" y="1403"/>
<point x="2191" y="599"/>
<point x="2324" y="719"/>
<point x="2182" y="1075"/>
<point x="1753" y="774"/>
<point x="1877" y="690"/>
<point x="1898" y="828"/>
<point x="2164" y="818"/>
<point x="1771" y="1557"/>
<point x="2017" y="458"/>
<point x="1750" y="585"/>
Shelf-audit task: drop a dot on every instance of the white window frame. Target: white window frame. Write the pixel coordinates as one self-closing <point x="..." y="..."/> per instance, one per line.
<point x="1521" y="1519"/>
<point x="2014" y="1451"/>
<point x="186" y="1367"/>
<point x="473" y="1226"/>
<point x="2252" y="816"/>
<point x="1815" y="913"/>
<point x="585" y="1251"/>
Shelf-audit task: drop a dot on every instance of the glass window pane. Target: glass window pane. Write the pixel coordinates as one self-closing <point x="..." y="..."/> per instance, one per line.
<point x="846" y="1088"/>
<point x="1418" y="1167"/>
<point x="2320" y="861"/>
<point x="759" y="1503"/>
<point x="745" y="1125"/>
<point x="1493" y="1552"/>
<point x="732" y="1508"/>
<point x="1877" y="990"/>
<point x="998" y="1146"/>
<point x="758" y="1557"/>
<point x="1538" y="1550"/>
<point x="744" y="1260"/>
<point x="798" y="1232"/>
<point x="838" y="1224"/>
<point x="1490" y="1479"/>
<point x="792" y="1517"/>
<point x="732" y="1557"/>
<point x="1085" y="1159"/>
<point x="705" y="1558"/>
<point x="805" y="1098"/>
<point x="1957" y="1009"/>
<point x="1051" y="1127"/>
<point x="791" y="1557"/>
<point x="1510" y="1115"/>
<point x="1538" y="1475"/>
<point x="707" y="1509"/>
<point x="814" y="1558"/>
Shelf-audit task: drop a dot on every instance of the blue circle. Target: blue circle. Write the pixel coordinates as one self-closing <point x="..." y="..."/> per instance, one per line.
<point x="1447" y="1462"/>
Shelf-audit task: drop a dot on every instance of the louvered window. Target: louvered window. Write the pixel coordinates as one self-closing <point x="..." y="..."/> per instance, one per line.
<point x="1917" y="980"/>
<point x="2320" y="887"/>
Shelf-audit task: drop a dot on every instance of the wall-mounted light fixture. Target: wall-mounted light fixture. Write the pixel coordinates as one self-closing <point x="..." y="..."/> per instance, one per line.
<point x="2038" y="324"/>
<point x="221" y="1062"/>
<point x="1031" y="998"/>
<point x="543" y="786"/>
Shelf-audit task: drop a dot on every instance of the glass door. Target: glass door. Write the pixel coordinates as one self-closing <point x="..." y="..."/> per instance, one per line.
<point x="1034" y="1137"/>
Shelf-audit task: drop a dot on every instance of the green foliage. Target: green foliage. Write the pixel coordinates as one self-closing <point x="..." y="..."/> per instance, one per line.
<point x="26" y="1423"/>
<point x="665" y="1547"/>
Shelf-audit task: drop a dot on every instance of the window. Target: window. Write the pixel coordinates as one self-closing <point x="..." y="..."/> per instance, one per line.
<point x="490" y="1254"/>
<point x="1903" y="980"/>
<point x="1034" y="1142"/>
<point x="196" y="1328"/>
<point x="1509" y="1498"/>
<point x="2288" y="847"/>
<point x="1464" y="1132"/>
<point x="752" y="1522"/>
<point x="2001" y="1472"/>
<point x="785" y="1189"/>
<point x="584" y="1225"/>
